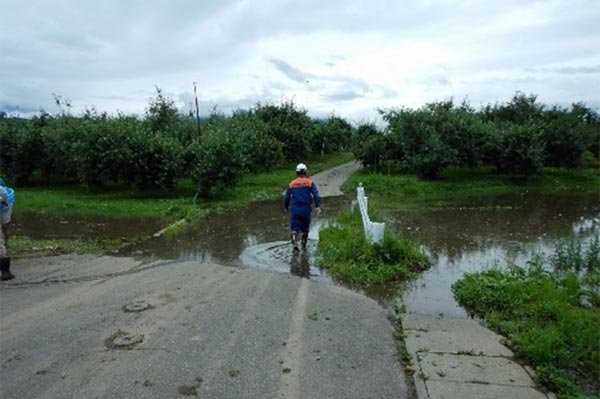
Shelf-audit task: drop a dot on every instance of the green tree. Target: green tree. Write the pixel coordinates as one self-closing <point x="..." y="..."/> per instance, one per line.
<point x="291" y="126"/>
<point x="422" y="146"/>
<point x="369" y="145"/>
<point x="515" y="148"/>
<point x="161" y="114"/>
<point x="330" y="135"/>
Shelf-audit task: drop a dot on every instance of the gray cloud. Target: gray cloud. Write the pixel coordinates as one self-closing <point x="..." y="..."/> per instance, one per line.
<point x="292" y="73"/>
<point x="111" y="54"/>
<point x="344" y="95"/>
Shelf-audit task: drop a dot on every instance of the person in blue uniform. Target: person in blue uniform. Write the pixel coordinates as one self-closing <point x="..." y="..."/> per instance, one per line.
<point x="300" y="195"/>
<point x="5" y="206"/>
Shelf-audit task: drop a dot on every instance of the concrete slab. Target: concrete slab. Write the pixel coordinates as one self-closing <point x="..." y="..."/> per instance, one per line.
<point x="459" y="358"/>
<point x="459" y="336"/>
<point x="454" y="390"/>
<point x="480" y="369"/>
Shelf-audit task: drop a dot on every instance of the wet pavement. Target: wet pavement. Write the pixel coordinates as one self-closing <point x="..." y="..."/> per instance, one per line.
<point x="168" y="321"/>
<point x="209" y="330"/>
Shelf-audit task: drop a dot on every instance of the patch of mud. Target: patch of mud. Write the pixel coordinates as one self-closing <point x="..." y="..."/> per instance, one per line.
<point x="135" y="307"/>
<point x="188" y="390"/>
<point x="191" y="389"/>
<point x="123" y="340"/>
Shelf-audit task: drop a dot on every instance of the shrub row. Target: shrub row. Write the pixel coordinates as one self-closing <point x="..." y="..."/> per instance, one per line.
<point x="154" y="151"/>
<point x="521" y="136"/>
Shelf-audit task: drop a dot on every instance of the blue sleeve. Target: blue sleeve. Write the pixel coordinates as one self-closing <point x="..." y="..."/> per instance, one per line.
<point x="315" y="194"/>
<point x="288" y="197"/>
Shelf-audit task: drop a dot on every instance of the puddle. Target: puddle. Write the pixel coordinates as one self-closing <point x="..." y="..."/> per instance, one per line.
<point x="46" y="226"/>
<point x="278" y="257"/>
<point x="255" y="237"/>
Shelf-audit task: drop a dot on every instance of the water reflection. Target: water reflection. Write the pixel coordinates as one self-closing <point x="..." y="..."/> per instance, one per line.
<point x="300" y="264"/>
<point x="478" y="235"/>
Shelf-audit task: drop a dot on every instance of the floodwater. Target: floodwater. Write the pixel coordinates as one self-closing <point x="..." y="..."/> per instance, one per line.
<point x="475" y="234"/>
<point x="486" y="232"/>
<point x="256" y="236"/>
<point x="48" y="226"/>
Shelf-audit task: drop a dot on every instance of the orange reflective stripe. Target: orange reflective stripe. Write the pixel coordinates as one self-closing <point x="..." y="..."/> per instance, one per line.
<point x="301" y="182"/>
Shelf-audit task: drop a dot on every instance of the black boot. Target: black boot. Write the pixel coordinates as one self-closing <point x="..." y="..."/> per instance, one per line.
<point x="5" y="269"/>
<point x="304" y="240"/>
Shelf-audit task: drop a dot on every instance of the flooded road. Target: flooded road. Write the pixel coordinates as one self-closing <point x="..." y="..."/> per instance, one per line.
<point x="257" y="237"/>
<point x="475" y="234"/>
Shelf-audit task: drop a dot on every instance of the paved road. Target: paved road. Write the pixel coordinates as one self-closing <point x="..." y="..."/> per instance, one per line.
<point x="331" y="180"/>
<point x="211" y="331"/>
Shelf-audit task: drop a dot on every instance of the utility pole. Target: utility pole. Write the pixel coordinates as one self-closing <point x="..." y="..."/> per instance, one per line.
<point x="197" y="109"/>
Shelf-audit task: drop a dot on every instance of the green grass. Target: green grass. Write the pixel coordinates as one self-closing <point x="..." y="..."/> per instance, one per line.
<point x="120" y="201"/>
<point x="403" y="191"/>
<point x="346" y="255"/>
<point x="22" y="247"/>
<point x="552" y="321"/>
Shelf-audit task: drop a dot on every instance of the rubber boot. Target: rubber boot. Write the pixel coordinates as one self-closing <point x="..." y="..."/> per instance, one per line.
<point x="5" y="269"/>
<point x="304" y="240"/>
<point x="295" y="242"/>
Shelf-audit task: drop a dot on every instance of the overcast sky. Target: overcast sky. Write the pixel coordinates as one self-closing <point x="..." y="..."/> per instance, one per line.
<point x="344" y="57"/>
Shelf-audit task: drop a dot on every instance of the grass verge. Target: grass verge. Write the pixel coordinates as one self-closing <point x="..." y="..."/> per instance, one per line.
<point x="402" y="191"/>
<point x="23" y="247"/>
<point x="345" y="254"/>
<point x="551" y="319"/>
<point x="119" y="201"/>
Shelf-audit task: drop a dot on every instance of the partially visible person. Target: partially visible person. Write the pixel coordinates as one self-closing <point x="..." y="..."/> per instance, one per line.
<point x="4" y="209"/>
<point x="301" y="193"/>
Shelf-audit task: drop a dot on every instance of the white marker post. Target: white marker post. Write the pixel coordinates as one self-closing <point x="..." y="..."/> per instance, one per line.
<point x="373" y="230"/>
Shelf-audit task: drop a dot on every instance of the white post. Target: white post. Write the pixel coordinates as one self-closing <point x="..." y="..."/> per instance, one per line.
<point x="373" y="230"/>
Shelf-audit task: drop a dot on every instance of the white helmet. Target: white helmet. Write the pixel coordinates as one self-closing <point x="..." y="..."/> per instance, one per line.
<point x="301" y="168"/>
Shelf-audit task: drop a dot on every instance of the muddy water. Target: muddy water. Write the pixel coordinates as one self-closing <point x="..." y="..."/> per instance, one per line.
<point x="481" y="233"/>
<point x="47" y="226"/>
<point x="473" y="235"/>
<point x="257" y="236"/>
